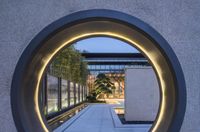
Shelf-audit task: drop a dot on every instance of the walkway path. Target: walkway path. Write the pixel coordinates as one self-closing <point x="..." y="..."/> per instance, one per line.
<point x="97" y="118"/>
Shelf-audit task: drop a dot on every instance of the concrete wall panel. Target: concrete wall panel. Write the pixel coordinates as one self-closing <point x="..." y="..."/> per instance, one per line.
<point x="141" y="94"/>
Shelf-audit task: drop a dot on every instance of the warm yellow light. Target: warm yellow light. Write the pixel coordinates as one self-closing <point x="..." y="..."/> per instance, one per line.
<point x="150" y="55"/>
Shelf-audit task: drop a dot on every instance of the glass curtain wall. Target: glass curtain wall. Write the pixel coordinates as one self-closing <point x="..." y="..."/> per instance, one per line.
<point x="52" y="94"/>
<point x="84" y="93"/>
<point x="81" y="93"/>
<point x="59" y="94"/>
<point x="72" y="93"/>
<point x="64" y="93"/>
<point x="77" y="93"/>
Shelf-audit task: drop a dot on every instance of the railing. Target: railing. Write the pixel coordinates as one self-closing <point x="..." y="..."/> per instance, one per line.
<point x="59" y="95"/>
<point x="59" y="120"/>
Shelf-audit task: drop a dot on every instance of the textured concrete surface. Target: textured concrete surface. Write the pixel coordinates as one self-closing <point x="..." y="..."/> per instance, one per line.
<point x="177" y="20"/>
<point x="141" y="94"/>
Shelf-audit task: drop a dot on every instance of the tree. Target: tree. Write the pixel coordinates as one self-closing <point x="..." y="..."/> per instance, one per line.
<point x="119" y="78"/>
<point x="69" y="64"/>
<point x="103" y="85"/>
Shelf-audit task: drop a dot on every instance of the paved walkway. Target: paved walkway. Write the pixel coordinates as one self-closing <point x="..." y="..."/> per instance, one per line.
<point x="97" y="118"/>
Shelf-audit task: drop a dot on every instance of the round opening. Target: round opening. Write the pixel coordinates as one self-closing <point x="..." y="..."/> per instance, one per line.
<point x="85" y="64"/>
<point x="91" y="23"/>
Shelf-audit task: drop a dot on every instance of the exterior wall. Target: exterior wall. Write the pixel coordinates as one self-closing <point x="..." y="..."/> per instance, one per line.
<point x="177" y="21"/>
<point x="141" y="94"/>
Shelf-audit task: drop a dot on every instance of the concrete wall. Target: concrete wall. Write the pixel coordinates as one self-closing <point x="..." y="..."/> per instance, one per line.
<point x="177" y="21"/>
<point x="141" y="94"/>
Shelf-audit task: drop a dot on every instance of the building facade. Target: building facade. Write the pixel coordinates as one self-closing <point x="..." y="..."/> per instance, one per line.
<point x="177" y="21"/>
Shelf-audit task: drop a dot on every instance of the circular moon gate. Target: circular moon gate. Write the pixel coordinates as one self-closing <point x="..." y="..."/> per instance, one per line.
<point x="80" y="25"/>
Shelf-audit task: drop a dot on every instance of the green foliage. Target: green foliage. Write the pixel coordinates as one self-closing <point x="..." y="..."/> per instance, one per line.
<point x="103" y="85"/>
<point x="69" y="65"/>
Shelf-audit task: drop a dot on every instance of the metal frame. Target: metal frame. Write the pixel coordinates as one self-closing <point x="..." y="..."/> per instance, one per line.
<point x="74" y="93"/>
<point x="59" y="95"/>
<point x="112" y="55"/>
<point x="53" y="114"/>
<point x="59" y="99"/>
<point x="79" y="93"/>
<point x="82" y="93"/>
<point x="68" y="85"/>
<point x="32" y="63"/>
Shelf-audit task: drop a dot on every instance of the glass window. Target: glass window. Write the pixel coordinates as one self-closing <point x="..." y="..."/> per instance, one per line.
<point x="84" y="93"/>
<point x="52" y="94"/>
<point x="92" y="66"/>
<point x="108" y="67"/>
<point x="81" y="94"/>
<point x="64" y="96"/>
<point x="97" y="66"/>
<point x="89" y="67"/>
<point x="77" y="92"/>
<point x="71" y="93"/>
<point x="111" y="66"/>
<point x="104" y="67"/>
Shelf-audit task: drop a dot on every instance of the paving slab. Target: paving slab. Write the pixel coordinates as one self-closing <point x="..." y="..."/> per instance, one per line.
<point x="96" y="118"/>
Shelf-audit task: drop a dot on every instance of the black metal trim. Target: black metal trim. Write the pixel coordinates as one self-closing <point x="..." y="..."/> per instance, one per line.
<point x="59" y="94"/>
<point x="113" y="55"/>
<point x="118" y="63"/>
<point x="74" y="93"/>
<point x="82" y="92"/>
<point x="68" y="86"/>
<point x="79" y="93"/>
<point x="45" y="94"/>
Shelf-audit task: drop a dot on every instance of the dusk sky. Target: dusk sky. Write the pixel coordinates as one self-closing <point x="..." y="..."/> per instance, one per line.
<point x="105" y="45"/>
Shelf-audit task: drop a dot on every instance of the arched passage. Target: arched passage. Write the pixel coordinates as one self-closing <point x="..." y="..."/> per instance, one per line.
<point x="69" y="29"/>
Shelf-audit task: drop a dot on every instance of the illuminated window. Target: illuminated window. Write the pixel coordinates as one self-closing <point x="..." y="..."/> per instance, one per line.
<point x="64" y="97"/>
<point x="52" y="94"/>
<point x="71" y="93"/>
<point x="77" y="92"/>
